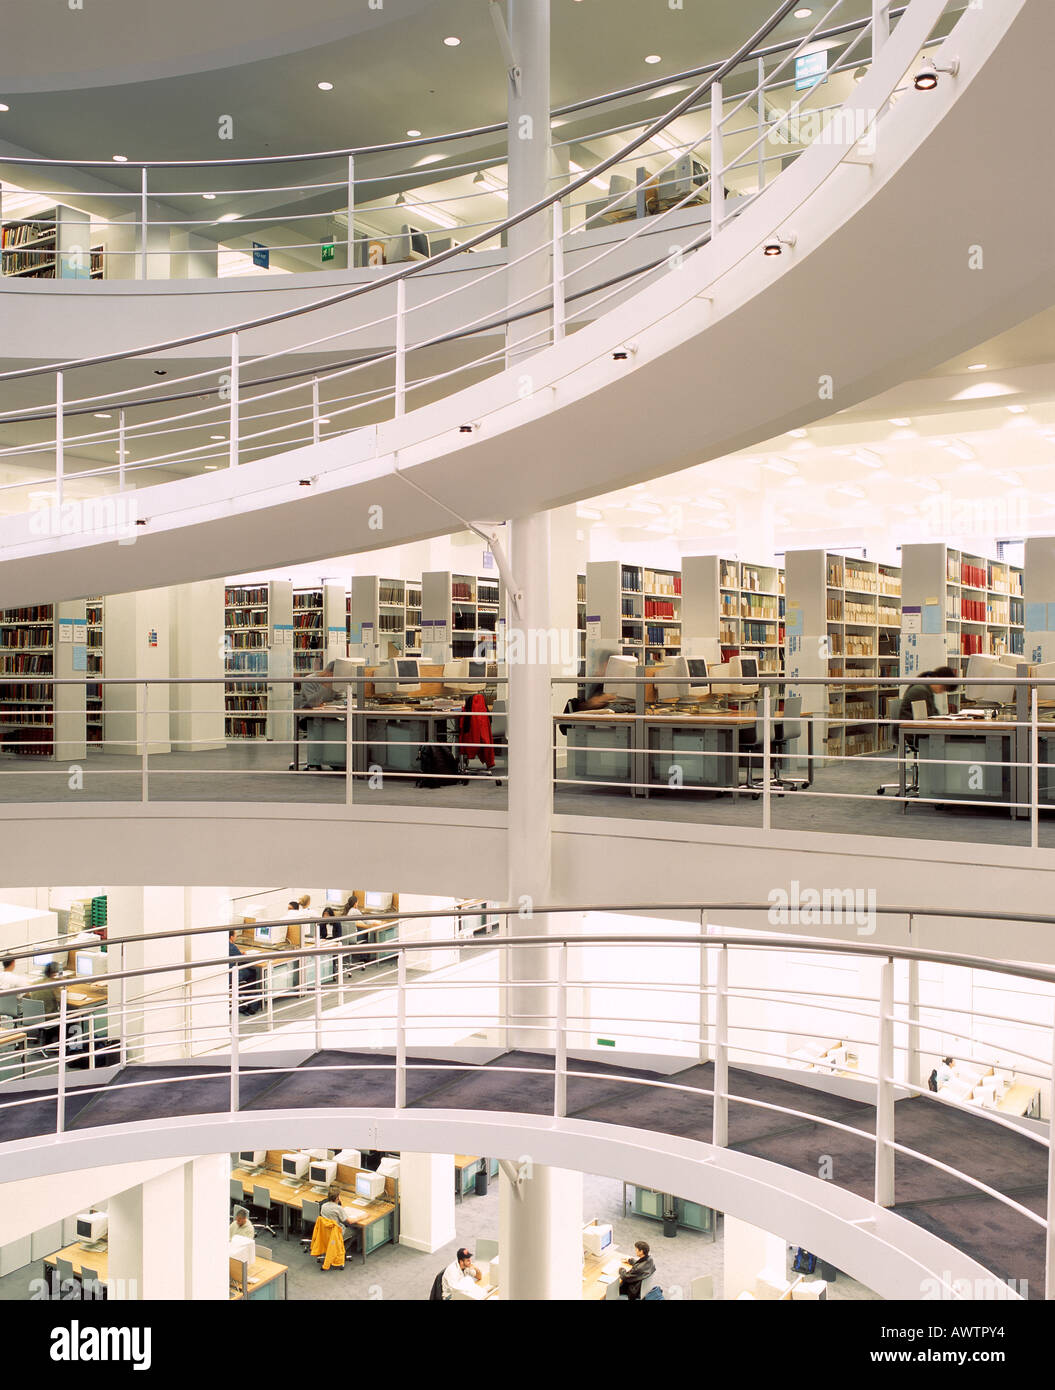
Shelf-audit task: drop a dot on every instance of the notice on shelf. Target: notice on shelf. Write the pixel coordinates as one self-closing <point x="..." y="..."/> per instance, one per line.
<point x="355" y="633"/>
<point x="65" y="629"/>
<point x="1037" y="617"/>
<point x="488" y="561"/>
<point x="593" y="626"/>
<point x="80" y="657"/>
<point x="933" y="621"/>
<point x="911" y="618"/>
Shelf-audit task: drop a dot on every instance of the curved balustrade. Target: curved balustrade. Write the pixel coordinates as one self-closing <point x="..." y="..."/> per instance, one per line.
<point x="716" y="1040"/>
<point x="417" y="337"/>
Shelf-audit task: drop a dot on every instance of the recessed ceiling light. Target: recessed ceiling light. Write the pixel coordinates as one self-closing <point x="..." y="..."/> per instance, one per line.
<point x="797" y="434"/>
<point x="4" y="106"/>
<point x="901" y="422"/>
<point x="653" y="58"/>
<point x="101" y="415"/>
<point x="160" y="371"/>
<point x="1017" y="409"/>
<point x="208" y="196"/>
<point x="413" y="134"/>
<point x="230" y="217"/>
<point x="452" y="42"/>
<point x="803" y="14"/>
<point x="978" y="366"/>
<point x="211" y="467"/>
<point x="324" y="86"/>
<point x="120" y="159"/>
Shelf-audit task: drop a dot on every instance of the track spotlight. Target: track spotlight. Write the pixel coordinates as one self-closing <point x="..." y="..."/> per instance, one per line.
<point x="775" y="245"/>
<point x="926" y="77"/>
<point x="624" y="353"/>
<point x="468" y="429"/>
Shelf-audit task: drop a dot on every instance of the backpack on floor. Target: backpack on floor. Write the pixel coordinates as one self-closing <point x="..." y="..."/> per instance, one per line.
<point x="439" y="765"/>
<point x="804" y="1262"/>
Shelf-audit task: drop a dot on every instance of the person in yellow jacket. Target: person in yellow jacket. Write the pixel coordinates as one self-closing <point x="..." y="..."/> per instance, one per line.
<point x="327" y="1239"/>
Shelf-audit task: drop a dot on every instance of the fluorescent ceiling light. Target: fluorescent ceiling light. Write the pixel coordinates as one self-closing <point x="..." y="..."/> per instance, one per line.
<point x="230" y="217"/>
<point x="429" y="159"/>
<point x="483" y="180"/>
<point x="978" y="366"/>
<point x="960" y="450"/>
<point x="1012" y="479"/>
<point x="796" y="434"/>
<point x="209" y="197"/>
<point x="4" y="106"/>
<point x="577" y="169"/>
<point x="927" y="484"/>
<point x="324" y="86"/>
<point x="211" y="467"/>
<point x="981" y="390"/>
<point x="650" y="508"/>
<point x="1017" y="409"/>
<point x="217" y="436"/>
<point x="667" y="91"/>
<point x="413" y="134"/>
<point x="101" y="415"/>
<point x="900" y="421"/>
<point x="441" y="219"/>
<point x="120" y="158"/>
<point x="866" y="457"/>
<point x="653" y="58"/>
<point x="452" y="42"/>
<point x="851" y="490"/>
<point x="589" y="513"/>
<point x="324" y="419"/>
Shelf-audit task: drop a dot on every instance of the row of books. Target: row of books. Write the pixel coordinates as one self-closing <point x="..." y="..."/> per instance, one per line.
<point x="390" y="591"/>
<point x="765" y="633"/>
<point x="660" y="608"/>
<point x="26" y="690"/>
<point x="486" y="593"/>
<point x="247" y="597"/>
<point x="757" y="579"/>
<point x="658" y="636"/>
<point x="631" y="578"/>
<point x="37" y="613"/>
<point x="244" y="703"/>
<point x="973" y="610"/>
<point x="246" y="617"/>
<point x="660" y="582"/>
<point x="247" y="639"/>
<point x="13" y="638"/>
<point x="393" y="622"/>
<point x="242" y="728"/>
<point x="311" y="599"/>
<point x="311" y="618"/>
<point x="462" y="589"/>
<point x="26" y="663"/>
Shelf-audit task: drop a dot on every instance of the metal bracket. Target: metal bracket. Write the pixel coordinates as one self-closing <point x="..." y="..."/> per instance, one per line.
<point x="516" y="1178"/>
<point x="505" y="43"/>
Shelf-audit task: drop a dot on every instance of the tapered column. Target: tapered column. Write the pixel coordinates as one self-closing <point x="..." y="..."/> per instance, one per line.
<point x="529" y="166"/>
<point x="540" y="1223"/>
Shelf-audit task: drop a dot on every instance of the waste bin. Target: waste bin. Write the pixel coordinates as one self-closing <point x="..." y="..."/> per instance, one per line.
<point x="481" y="1183"/>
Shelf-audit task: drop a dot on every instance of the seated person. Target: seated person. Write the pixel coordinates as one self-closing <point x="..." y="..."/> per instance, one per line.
<point x="241" y="1225"/>
<point x="51" y="998"/>
<point x="332" y="928"/>
<point x="317" y="689"/>
<point x="331" y="1210"/>
<point x="925" y="688"/>
<point x="10" y="978"/>
<point x="634" y="1272"/>
<point x="594" y="699"/>
<point x="461" y="1273"/>
<point x="248" y="981"/>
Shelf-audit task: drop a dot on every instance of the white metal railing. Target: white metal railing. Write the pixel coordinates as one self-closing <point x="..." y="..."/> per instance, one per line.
<point x="661" y="994"/>
<point x="555" y="286"/>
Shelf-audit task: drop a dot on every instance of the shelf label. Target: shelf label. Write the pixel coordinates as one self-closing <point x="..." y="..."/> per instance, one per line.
<point x="911" y="619"/>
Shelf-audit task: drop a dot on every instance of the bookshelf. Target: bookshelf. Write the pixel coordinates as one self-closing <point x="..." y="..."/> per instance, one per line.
<point x="319" y="627"/>
<point x="731" y="607"/>
<point x="37" y="717"/>
<point x="459" y="614"/>
<point x="258" y="640"/>
<point x="52" y="245"/>
<point x="844" y="619"/>
<point x="959" y="604"/>
<point x="386" y="614"/>
<point x="94" y="610"/>
<point x="637" y="604"/>
<point x="580" y="617"/>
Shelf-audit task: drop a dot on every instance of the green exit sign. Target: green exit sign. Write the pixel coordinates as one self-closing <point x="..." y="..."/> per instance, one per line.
<point x="328" y="251"/>
<point x="606" y="1042"/>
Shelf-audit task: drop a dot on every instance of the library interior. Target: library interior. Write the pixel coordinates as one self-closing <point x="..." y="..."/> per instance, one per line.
<point x="664" y="656"/>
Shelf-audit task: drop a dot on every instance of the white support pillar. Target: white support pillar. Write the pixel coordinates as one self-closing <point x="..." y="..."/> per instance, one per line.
<point x="529" y="841"/>
<point x="147" y="1255"/>
<point x="197" y="649"/>
<point x="884" y="1158"/>
<point x="153" y="1021"/>
<point x="206" y="989"/>
<point x="137" y="646"/>
<point x="747" y="1253"/>
<point x="540" y="1222"/>
<point x="426" y="1201"/>
<point x="206" y="1188"/>
<point x="529" y="163"/>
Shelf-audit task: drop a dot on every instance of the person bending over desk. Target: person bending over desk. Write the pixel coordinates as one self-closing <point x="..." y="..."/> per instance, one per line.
<point x="461" y="1273"/>
<point x="594" y="699"/>
<point x="925" y="689"/>
<point x="49" y="995"/>
<point x="316" y="689"/>
<point x="10" y="978"/>
<point x="636" y="1271"/>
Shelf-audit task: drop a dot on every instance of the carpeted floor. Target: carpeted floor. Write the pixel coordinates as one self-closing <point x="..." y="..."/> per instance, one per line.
<point x="999" y="1238"/>
<point x="257" y="773"/>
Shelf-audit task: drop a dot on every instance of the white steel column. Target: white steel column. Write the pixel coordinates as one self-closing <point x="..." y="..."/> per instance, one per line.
<point x="147" y="1257"/>
<point x="529" y="847"/>
<point x="529" y="161"/>
<point x="884" y="1159"/>
<point x="206" y="1189"/>
<point x="426" y="1201"/>
<point x="540" y="1220"/>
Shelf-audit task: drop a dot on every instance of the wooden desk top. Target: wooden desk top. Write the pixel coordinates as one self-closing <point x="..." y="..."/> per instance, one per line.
<point x="728" y="718"/>
<point x="261" y="1273"/>
<point x="86" y="995"/>
<point x="959" y="726"/>
<point x="12" y="1035"/>
<point x="462" y="1161"/>
<point x="592" y="1269"/>
<point x="1017" y="1099"/>
<point x="99" y="1260"/>
<point x="357" y="1216"/>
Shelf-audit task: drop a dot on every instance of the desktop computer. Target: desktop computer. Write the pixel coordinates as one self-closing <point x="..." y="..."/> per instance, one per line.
<point x="350" y="1158"/>
<point x="596" y="1239"/>
<point x="1044" y="668"/>
<point x="621" y="666"/>
<point x="271" y="935"/>
<point x="398" y="676"/>
<point x="90" y="963"/>
<point x="371" y="1186"/>
<point x="746" y="667"/>
<point x="321" y="1173"/>
<point x="252" y="1160"/>
<point x="242" y="1248"/>
<point x="996" y="669"/>
<point x="294" y="1166"/>
<point x="92" y="1228"/>
<point x="464" y="677"/>
<point x="377" y="902"/>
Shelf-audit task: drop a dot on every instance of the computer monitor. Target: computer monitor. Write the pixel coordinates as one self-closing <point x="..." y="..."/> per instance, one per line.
<point x="999" y="669"/>
<point x="672" y="679"/>
<point x="322" y="1172"/>
<point x="92" y="1225"/>
<point x="596" y="1239"/>
<point x="273" y="935"/>
<point x="294" y="1165"/>
<point x="91" y="963"/>
<point x="252" y="1158"/>
<point x="599" y="651"/>
<point x="370" y="1185"/>
<point x="389" y="1168"/>
<point x="351" y="1158"/>
<point x="242" y="1248"/>
<point x="621" y="666"/>
<point x="43" y="960"/>
<point x="377" y="902"/>
<point x="746" y="667"/>
<point x="1044" y="668"/>
<point x="400" y="675"/>
<point x="465" y="676"/>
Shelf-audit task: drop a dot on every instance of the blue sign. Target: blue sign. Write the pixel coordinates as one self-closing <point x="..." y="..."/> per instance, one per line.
<point x="261" y="255"/>
<point x="810" y="68"/>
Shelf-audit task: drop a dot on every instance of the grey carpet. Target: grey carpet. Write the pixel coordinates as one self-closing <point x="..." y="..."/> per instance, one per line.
<point x="207" y="1094"/>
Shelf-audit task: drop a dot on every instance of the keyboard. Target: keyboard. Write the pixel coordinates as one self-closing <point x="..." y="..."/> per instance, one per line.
<point x="359" y="1202"/>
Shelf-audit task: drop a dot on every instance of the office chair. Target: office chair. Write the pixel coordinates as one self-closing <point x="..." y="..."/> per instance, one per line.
<point x="701" y="1287"/>
<point x="919" y="711"/>
<point x="785" y="730"/>
<point x="237" y="1193"/>
<point x="261" y="1202"/>
<point x="92" y="1286"/>
<point x="309" y="1214"/>
<point x="8" y="1010"/>
<point x="67" y="1274"/>
<point x="31" y="1011"/>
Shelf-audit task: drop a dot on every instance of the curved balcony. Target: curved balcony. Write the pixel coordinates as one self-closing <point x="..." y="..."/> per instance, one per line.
<point x="741" y="1071"/>
<point x="628" y="345"/>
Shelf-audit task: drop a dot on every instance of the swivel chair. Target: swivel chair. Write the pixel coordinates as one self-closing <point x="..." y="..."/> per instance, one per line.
<point x="919" y="711"/>
<point x="785" y="730"/>
<point x="261" y="1203"/>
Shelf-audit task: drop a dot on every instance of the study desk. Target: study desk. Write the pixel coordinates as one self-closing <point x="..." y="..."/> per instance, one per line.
<point x="374" y="1225"/>
<point x="593" y="1267"/>
<point x="386" y="736"/>
<point x="13" y="1037"/>
<point x="644" y="750"/>
<point x="99" y="1260"/>
<point x="466" y="1167"/>
<point x="964" y="760"/>
<point x="1020" y="1099"/>
<point x="263" y="1281"/>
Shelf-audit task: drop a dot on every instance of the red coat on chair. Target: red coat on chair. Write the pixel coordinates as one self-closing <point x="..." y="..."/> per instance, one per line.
<point x="474" y="731"/>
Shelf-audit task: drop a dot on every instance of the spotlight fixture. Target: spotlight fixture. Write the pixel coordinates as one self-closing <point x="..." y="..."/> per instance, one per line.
<point x="160" y="371"/>
<point x="468" y="429"/>
<point x="305" y="482"/>
<point x="624" y="353"/>
<point x="653" y="58"/>
<point x="141" y="520"/>
<point x="4" y="106"/>
<point x="209" y="197"/>
<point x="926" y="77"/>
<point x="775" y="245"/>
